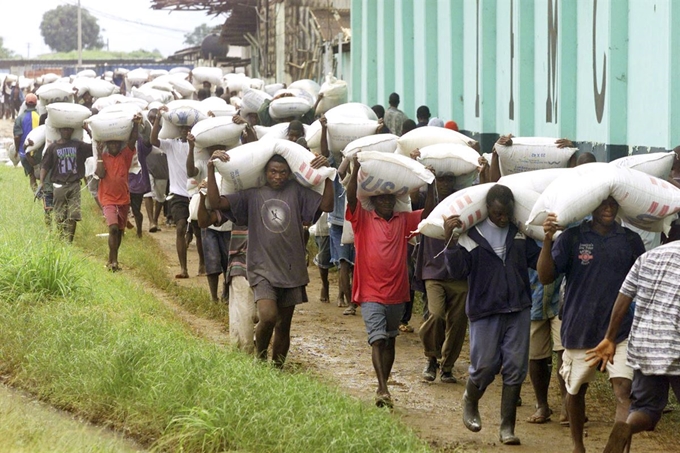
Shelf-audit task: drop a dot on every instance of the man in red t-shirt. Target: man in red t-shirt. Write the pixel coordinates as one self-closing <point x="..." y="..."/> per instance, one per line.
<point x="113" y="166"/>
<point x="381" y="283"/>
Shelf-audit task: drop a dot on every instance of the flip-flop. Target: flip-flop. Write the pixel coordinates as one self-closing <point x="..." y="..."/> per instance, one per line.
<point x="539" y="419"/>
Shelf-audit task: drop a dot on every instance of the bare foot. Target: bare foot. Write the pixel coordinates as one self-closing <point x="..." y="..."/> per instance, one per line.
<point x="182" y="275"/>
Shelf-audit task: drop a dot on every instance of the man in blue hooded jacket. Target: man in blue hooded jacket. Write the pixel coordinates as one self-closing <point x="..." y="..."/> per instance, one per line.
<point x="496" y="257"/>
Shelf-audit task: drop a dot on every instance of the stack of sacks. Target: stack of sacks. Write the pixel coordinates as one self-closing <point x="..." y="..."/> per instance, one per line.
<point x="245" y="168"/>
<point x="532" y="153"/>
<point x="390" y="174"/>
<point x="220" y="130"/>
<point x="206" y="74"/>
<point x="430" y="135"/>
<point x="55" y="92"/>
<point x="334" y="93"/>
<point x="252" y="101"/>
<point x="655" y="164"/>
<point x="645" y="201"/>
<point x="450" y="159"/>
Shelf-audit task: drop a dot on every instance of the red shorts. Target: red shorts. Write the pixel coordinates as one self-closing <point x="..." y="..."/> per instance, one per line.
<point x="116" y="215"/>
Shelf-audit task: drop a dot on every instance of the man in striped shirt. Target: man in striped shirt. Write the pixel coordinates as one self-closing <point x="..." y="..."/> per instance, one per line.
<point x="654" y="342"/>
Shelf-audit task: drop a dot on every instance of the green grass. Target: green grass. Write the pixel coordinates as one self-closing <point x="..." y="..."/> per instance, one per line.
<point x="29" y="427"/>
<point x="101" y="346"/>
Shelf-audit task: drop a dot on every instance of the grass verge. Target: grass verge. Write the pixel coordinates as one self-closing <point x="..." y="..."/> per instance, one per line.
<point x="98" y="345"/>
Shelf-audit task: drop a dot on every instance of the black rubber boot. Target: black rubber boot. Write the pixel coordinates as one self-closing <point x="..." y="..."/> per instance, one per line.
<point x="471" y="417"/>
<point x="509" y="414"/>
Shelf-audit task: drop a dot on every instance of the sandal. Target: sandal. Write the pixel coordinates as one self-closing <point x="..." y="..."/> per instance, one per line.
<point x="351" y="310"/>
<point x="405" y="328"/>
<point x="539" y="419"/>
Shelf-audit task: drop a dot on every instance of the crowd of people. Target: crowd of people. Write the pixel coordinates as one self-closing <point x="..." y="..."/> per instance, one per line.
<point x="523" y="302"/>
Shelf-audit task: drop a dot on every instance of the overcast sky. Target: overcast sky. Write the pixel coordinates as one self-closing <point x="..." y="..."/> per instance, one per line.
<point x="21" y="25"/>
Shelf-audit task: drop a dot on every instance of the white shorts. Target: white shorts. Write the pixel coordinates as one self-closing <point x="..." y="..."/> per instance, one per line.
<point x="576" y="371"/>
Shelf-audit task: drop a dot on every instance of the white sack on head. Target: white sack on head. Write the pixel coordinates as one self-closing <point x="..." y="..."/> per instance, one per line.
<point x="308" y="85"/>
<point x="246" y="165"/>
<point x="64" y="114"/>
<point x="334" y="93"/>
<point x="343" y="131"/>
<point x="430" y="135"/>
<point x="655" y="164"/>
<point x="207" y="74"/>
<point x="179" y="70"/>
<point x="220" y="130"/>
<point x="469" y="204"/>
<point x="532" y="153"/>
<point x="351" y="110"/>
<point x="50" y="77"/>
<point x="184" y="116"/>
<point x="217" y="106"/>
<point x="276" y="132"/>
<point x="575" y="194"/>
<point x="272" y="88"/>
<point x="391" y="174"/>
<point x="89" y="73"/>
<point x="55" y="92"/>
<point x="645" y="201"/>
<point x="252" y="100"/>
<point x="111" y="126"/>
<point x="450" y="159"/>
<point x="152" y="94"/>
<point x="535" y="180"/>
<point x="287" y="107"/>
<point x="384" y="143"/>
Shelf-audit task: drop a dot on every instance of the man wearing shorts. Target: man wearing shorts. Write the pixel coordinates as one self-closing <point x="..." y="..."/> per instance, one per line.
<point x="653" y="344"/>
<point x="323" y="256"/>
<point x="64" y="161"/>
<point x="381" y="283"/>
<point x="276" y="262"/>
<point x="595" y="257"/>
<point x="177" y="150"/>
<point x="114" y="196"/>
<point x="544" y="340"/>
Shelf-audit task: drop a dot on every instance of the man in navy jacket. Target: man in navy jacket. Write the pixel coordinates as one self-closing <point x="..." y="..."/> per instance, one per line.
<point x="496" y="257"/>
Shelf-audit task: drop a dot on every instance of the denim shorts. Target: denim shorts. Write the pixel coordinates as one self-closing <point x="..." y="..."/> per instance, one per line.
<point x="381" y="320"/>
<point x="323" y="258"/>
<point x="340" y="251"/>
<point x="215" y="250"/>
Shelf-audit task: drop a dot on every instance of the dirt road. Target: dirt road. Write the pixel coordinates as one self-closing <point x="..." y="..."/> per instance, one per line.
<point x="334" y="348"/>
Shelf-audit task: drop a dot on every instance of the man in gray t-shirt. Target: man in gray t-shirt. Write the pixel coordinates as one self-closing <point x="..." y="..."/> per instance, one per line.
<point x="275" y="260"/>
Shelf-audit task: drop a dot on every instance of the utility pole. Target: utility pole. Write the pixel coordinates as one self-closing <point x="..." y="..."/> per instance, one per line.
<point x="80" y="38"/>
<point x="28" y="50"/>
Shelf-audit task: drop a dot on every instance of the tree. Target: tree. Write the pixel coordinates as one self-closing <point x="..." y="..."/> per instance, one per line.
<point x="196" y="37"/>
<point x="59" y="28"/>
<point x="5" y="53"/>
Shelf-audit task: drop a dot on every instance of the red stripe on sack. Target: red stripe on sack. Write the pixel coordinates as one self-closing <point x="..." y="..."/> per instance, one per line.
<point x="460" y="203"/>
<point x="664" y="210"/>
<point x="653" y="207"/>
<point x="470" y="219"/>
<point x="478" y="213"/>
<point x="468" y="199"/>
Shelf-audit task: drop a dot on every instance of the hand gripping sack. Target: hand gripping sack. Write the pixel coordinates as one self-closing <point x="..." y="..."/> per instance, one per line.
<point x="429" y="135"/>
<point x="575" y="194"/>
<point x="655" y="164"/>
<point x="384" y="143"/>
<point x="383" y="173"/>
<point x="532" y="153"/>
<point x="63" y="114"/>
<point x="220" y="130"/>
